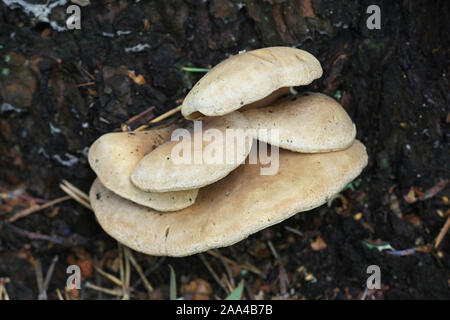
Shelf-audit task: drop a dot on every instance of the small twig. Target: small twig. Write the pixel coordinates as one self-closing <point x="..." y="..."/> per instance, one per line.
<point x="109" y="276"/>
<point x="138" y="268"/>
<point x="167" y="114"/>
<point x="87" y="73"/>
<point x="124" y="272"/>
<point x="160" y="118"/>
<point x="58" y="293"/>
<point x="227" y="283"/>
<point x="442" y="233"/>
<point x="112" y="292"/>
<point x="144" y="115"/>
<point x="366" y="291"/>
<point x="3" y="293"/>
<point x="91" y="83"/>
<point x="33" y="235"/>
<point x="10" y="194"/>
<point x="295" y="231"/>
<point x="140" y="128"/>
<point x="227" y="268"/>
<point x="127" y="275"/>
<point x="28" y="211"/>
<point x="98" y="278"/>
<point x="121" y="268"/>
<point x="76" y="190"/>
<point x="75" y="196"/>
<point x="272" y="249"/>
<point x="48" y="277"/>
<point x="282" y="275"/>
<point x="149" y="271"/>
<point x="40" y="280"/>
<point x="213" y="273"/>
<point x="246" y="266"/>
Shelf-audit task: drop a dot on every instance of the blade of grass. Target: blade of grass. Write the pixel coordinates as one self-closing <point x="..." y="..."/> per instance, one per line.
<point x="237" y="292"/>
<point x="173" y="284"/>
<point x="194" y="69"/>
<point x="379" y="247"/>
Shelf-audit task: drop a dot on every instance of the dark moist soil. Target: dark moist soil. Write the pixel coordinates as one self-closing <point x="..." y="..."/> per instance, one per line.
<point x="393" y="82"/>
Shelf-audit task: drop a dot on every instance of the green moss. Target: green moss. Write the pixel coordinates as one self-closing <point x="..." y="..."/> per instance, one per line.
<point x="338" y="95"/>
<point x="353" y="185"/>
<point x="385" y="163"/>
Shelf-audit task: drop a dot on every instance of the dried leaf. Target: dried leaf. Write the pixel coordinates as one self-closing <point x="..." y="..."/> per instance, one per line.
<point x="413" y="219"/>
<point x="139" y="80"/>
<point x="394" y="204"/>
<point x="391" y="189"/>
<point x="411" y="196"/>
<point x="430" y="193"/>
<point x="54" y="212"/>
<point x="197" y="289"/>
<point x="318" y="244"/>
<point x="358" y="216"/>
<point x="368" y="226"/>
<point x="83" y="259"/>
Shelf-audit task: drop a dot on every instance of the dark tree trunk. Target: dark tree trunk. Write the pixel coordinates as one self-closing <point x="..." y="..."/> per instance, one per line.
<point x="393" y="82"/>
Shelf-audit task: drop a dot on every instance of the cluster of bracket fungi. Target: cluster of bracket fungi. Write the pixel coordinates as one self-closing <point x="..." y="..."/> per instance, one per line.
<point x="148" y="201"/>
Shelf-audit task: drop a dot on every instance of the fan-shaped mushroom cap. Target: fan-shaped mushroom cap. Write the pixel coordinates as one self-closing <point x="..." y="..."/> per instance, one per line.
<point x="248" y="77"/>
<point x="264" y="102"/>
<point x="160" y="171"/>
<point x="233" y="208"/>
<point x="312" y="122"/>
<point x="113" y="157"/>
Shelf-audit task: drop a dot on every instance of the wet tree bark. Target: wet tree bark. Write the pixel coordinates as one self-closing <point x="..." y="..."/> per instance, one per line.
<point x="59" y="91"/>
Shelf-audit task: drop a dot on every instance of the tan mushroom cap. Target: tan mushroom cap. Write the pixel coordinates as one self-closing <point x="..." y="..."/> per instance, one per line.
<point x="232" y="208"/>
<point x="248" y="77"/>
<point x="159" y="171"/>
<point x="113" y="157"/>
<point x="311" y="122"/>
<point x="264" y="102"/>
